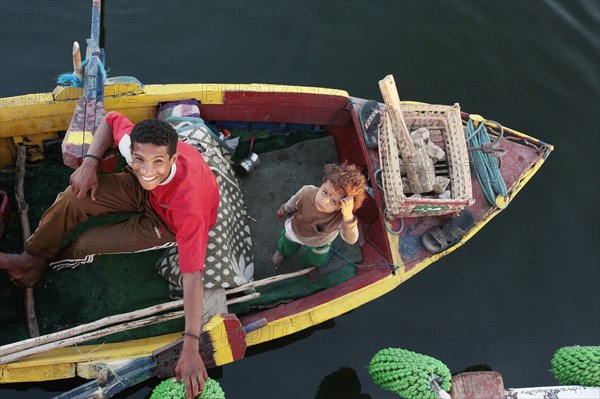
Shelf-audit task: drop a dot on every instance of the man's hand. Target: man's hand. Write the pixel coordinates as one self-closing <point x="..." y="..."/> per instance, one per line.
<point x="347" y="205"/>
<point x="85" y="178"/>
<point x="190" y="368"/>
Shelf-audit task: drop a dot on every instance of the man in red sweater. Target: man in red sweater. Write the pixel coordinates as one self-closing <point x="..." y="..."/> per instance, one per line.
<point x="174" y="196"/>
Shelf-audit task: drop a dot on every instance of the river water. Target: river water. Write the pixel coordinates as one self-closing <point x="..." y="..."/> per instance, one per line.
<point x="525" y="286"/>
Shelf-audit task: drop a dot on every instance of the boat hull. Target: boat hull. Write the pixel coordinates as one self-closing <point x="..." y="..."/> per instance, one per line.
<point x="35" y="119"/>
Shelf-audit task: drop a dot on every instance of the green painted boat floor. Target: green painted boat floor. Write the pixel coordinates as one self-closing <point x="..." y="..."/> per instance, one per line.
<point x="122" y="283"/>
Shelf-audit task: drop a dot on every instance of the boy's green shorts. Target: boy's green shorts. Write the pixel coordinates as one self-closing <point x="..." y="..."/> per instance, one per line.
<point x="310" y="256"/>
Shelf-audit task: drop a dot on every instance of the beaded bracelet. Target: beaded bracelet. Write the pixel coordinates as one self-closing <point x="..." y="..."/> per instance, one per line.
<point x="193" y="335"/>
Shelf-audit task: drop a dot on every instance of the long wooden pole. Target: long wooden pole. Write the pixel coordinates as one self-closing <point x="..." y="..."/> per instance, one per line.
<point x="84" y="328"/>
<point x="23" y="207"/>
<point x="68" y="337"/>
<point x="124" y="317"/>
<point x="90" y="336"/>
<point x="268" y="280"/>
<point x="391" y="99"/>
<point x="419" y="168"/>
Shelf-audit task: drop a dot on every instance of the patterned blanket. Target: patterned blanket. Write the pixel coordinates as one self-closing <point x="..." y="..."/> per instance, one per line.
<point x="229" y="261"/>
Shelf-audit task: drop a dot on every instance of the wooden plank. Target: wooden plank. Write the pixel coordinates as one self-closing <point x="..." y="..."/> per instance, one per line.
<point x="418" y="166"/>
<point x="477" y="385"/>
<point x="114" y="381"/>
<point x="392" y="101"/>
<point x="39" y="372"/>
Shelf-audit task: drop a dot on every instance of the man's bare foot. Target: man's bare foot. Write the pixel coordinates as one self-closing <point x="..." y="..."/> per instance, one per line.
<point x="277" y="259"/>
<point x="23" y="269"/>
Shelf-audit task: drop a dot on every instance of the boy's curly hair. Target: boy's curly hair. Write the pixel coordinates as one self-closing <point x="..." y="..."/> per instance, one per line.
<point x="347" y="178"/>
<point x="157" y="132"/>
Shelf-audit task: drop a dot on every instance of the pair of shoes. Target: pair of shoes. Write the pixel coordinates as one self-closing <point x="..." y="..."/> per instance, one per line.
<point x="439" y="238"/>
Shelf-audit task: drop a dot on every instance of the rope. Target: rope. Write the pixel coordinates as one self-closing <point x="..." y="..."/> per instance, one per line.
<point x="388" y="225"/>
<point x="71" y="79"/>
<point x="577" y="365"/>
<point x="334" y="251"/>
<point x="484" y="153"/>
<point x="169" y="389"/>
<point x="410" y="374"/>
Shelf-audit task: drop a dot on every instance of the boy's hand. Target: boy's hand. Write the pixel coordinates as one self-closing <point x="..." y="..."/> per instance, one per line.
<point x="347" y="206"/>
<point x="280" y="214"/>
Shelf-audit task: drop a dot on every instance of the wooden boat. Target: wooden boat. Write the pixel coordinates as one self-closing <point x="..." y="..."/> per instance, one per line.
<point x="390" y="248"/>
<point x="36" y="118"/>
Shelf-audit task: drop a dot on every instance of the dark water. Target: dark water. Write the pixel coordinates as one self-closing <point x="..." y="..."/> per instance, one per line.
<point x="526" y="285"/>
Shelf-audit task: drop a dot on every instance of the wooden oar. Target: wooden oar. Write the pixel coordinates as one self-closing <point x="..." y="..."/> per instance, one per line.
<point x="223" y="341"/>
<point x="89" y="110"/>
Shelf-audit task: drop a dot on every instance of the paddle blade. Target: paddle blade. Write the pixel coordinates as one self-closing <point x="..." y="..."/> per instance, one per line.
<point x="223" y="341"/>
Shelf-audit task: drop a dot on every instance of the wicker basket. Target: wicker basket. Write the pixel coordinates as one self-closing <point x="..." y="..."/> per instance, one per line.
<point x="446" y="131"/>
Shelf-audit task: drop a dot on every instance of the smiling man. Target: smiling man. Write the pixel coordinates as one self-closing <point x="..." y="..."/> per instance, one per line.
<point x="174" y="197"/>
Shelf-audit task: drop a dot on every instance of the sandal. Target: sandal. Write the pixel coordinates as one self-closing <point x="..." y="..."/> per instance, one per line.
<point x="439" y="238"/>
<point x="370" y="117"/>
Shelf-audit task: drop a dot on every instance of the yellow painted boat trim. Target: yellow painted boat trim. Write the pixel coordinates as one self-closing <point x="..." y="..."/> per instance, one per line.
<point x="39" y="113"/>
<point x="218" y="335"/>
<point x="62" y="363"/>
<point x="79" y="137"/>
<point x="311" y="317"/>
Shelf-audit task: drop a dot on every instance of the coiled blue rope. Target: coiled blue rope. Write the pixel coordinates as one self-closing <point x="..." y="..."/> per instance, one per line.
<point x="71" y="79"/>
<point x="486" y="166"/>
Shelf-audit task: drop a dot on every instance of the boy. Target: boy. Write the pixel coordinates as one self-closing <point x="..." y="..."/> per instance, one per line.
<point x="162" y="176"/>
<point x="316" y="215"/>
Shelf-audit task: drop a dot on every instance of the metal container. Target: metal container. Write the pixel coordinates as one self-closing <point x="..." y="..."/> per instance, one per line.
<point x="247" y="165"/>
